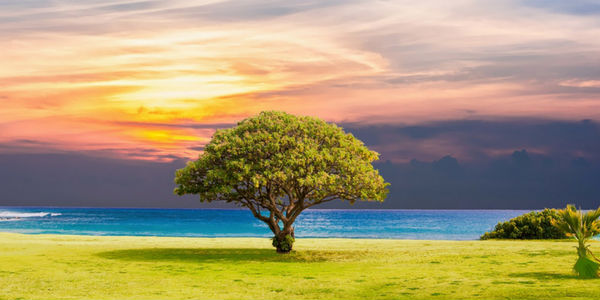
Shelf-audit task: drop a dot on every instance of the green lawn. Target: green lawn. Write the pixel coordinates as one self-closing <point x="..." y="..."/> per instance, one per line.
<point x="87" y="267"/>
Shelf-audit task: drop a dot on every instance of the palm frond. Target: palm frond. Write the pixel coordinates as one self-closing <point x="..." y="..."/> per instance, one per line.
<point x="581" y="226"/>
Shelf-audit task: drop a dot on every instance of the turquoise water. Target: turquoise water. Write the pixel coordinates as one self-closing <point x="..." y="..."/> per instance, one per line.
<point x="395" y="224"/>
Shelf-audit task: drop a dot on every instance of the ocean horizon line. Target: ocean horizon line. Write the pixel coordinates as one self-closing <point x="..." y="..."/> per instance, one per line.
<point x="308" y="209"/>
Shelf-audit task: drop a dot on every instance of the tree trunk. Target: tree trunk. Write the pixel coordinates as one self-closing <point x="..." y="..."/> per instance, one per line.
<point x="284" y="241"/>
<point x="581" y="249"/>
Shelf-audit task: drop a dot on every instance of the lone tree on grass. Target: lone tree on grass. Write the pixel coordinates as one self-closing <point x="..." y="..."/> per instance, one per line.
<point x="277" y="165"/>
<point x="582" y="227"/>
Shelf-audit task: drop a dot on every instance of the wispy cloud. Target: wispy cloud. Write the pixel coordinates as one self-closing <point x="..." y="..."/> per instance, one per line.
<point x="104" y="74"/>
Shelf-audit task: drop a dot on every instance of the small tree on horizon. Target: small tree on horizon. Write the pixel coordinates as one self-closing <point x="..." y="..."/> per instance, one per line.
<point x="277" y="165"/>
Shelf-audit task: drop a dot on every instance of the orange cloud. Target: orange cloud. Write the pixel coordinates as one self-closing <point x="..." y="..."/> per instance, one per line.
<point x="88" y="76"/>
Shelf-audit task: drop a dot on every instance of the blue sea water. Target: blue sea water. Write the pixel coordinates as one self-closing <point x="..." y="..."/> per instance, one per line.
<point x="387" y="224"/>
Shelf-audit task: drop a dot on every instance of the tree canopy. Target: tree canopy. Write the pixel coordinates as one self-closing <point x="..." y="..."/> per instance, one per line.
<point x="277" y="165"/>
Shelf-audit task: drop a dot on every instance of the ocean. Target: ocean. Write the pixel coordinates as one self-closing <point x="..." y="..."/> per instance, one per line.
<point x="313" y="223"/>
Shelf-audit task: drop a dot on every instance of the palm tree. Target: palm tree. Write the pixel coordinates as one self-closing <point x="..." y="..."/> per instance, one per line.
<point x="582" y="227"/>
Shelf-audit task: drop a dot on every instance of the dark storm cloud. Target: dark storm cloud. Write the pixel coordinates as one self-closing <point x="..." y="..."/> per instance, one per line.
<point x="25" y="145"/>
<point x="549" y="164"/>
<point x="482" y="140"/>
<point x="495" y="168"/>
<point x="70" y="179"/>
<point x="520" y="180"/>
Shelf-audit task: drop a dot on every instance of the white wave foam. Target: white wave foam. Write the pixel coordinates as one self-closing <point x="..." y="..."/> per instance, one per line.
<point x="13" y="214"/>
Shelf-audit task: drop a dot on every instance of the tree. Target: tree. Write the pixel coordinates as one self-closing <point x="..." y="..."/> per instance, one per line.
<point x="277" y="165"/>
<point x="582" y="227"/>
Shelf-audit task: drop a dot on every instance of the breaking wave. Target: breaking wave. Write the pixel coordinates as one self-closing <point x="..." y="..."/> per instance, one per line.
<point x="13" y="214"/>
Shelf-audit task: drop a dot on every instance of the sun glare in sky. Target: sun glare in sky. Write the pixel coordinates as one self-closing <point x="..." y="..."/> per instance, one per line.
<point x="154" y="79"/>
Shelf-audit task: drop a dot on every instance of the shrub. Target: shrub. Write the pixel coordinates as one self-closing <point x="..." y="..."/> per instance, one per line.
<point x="530" y="226"/>
<point x="284" y="245"/>
<point x="582" y="226"/>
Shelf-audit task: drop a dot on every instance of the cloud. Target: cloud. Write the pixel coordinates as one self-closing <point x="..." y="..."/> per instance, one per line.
<point x="181" y="125"/>
<point x="244" y="11"/>
<point x="96" y="72"/>
<point x="471" y="104"/>
<point x="481" y="140"/>
<point x="71" y="179"/>
<point x="446" y="164"/>
<point x="581" y="7"/>
<point x="521" y="180"/>
<point x="582" y="83"/>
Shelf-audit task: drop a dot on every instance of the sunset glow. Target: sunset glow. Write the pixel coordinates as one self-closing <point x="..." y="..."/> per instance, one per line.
<point x="154" y="79"/>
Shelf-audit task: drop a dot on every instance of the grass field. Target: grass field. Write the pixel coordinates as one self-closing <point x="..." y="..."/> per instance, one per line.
<point x="89" y="267"/>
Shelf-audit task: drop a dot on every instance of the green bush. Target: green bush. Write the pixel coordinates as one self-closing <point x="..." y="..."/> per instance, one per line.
<point x="530" y="226"/>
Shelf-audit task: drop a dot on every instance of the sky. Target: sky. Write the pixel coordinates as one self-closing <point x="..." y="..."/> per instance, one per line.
<point x="104" y="92"/>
